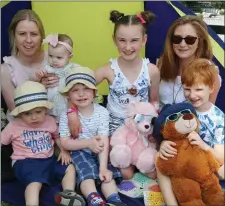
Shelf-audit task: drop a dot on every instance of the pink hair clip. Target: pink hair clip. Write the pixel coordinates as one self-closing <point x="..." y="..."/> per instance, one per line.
<point x="53" y="40"/>
<point x="141" y="18"/>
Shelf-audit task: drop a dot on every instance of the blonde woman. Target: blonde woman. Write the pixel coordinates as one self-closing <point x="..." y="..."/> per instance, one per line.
<point x="26" y="33"/>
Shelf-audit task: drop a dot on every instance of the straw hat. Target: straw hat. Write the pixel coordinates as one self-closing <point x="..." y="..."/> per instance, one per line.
<point x="79" y="74"/>
<point x="28" y="96"/>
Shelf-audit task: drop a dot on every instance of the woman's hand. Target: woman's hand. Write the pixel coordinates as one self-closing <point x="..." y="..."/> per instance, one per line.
<point x="50" y="80"/>
<point x="167" y="149"/>
<point x="74" y="124"/>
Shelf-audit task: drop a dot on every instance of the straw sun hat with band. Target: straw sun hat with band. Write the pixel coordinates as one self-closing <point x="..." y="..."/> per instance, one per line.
<point x="79" y="74"/>
<point x="28" y="96"/>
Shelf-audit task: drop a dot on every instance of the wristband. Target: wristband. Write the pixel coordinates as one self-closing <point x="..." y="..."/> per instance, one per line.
<point x="70" y="110"/>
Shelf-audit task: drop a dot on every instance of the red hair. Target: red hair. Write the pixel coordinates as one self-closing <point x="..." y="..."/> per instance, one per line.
<point x="199" y="71"/>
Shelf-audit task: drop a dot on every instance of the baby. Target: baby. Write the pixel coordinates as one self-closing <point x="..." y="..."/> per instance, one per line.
<point x="60" y="51"/>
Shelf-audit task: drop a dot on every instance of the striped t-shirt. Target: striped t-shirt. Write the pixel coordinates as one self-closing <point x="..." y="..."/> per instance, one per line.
<point x="95" y="125"/>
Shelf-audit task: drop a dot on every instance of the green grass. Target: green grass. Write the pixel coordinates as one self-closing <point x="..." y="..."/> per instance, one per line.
<point x="5" y="204"/>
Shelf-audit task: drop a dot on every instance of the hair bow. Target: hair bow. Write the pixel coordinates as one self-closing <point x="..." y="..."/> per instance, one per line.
<point x="141" y="18"/>
<point x="51" y="39"/>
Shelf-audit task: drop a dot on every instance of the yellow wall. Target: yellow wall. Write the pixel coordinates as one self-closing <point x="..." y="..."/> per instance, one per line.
<point x="89" y="26"/>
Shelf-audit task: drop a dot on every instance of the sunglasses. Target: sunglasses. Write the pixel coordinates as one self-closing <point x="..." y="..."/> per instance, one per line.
<point x="174" y="117"/>
<point x="138" y="118"/>
<point x="190" y="40"/>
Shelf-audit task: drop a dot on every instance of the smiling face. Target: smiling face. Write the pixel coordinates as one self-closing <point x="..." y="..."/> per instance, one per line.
<point x="35" y="117"/>
<point x="27" y="38"/>
<point x="184" y="50"/>
<point x="198" y="96"/>
<point x="129" y="40"/>
<point x="81" y="95"/>
<point x="58" y="56"/>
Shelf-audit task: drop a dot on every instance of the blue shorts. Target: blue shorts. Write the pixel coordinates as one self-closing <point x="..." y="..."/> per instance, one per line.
<point x="87" y="167"/>
<point x="43" y="170"/>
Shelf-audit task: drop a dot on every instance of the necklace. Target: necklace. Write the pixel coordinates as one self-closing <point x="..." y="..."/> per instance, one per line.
<point x="175" y="95"/>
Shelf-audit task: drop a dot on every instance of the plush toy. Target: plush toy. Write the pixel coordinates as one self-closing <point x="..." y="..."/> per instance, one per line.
<point x="192" y="170"/>
<point x="132" y="144"/>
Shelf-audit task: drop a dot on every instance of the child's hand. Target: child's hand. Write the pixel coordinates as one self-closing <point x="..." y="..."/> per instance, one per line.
<point x="50" y="80"/>
<point x="167" y="149"/>
<point x="65" y="157"/>
<point x="151" y="139"/>
<point x="74" y="124"/>
<point x="195" y="139"/>
<point x="105" y="175"/>
<point x="96" y="144"/>
<point x="40" y="74"/>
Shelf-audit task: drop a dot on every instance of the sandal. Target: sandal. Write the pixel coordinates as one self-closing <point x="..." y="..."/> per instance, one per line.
<point x="69" y="198"/>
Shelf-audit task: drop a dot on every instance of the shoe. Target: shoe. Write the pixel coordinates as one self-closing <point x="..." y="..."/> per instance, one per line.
<point x="69" y="198"/>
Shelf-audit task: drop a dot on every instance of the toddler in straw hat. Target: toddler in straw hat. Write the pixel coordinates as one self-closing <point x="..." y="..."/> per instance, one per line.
<point x="32" y="134"/>
<point x="90" y="151"/>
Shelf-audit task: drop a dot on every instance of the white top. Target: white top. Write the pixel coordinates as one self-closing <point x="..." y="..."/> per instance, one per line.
<point x="171" y="92"/>
<point x="95" y="125"/>
<point x="119" y="96"/>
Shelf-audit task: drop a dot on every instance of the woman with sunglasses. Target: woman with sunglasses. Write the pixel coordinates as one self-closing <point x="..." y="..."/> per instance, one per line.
<point x="187" y="39"/>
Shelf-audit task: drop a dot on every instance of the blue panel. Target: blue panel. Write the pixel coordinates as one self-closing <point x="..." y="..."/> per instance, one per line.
<point x="8" y="11"/>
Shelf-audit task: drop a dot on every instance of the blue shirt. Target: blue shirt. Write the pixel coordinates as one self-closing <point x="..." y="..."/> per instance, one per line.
<point x="211" y="128"/>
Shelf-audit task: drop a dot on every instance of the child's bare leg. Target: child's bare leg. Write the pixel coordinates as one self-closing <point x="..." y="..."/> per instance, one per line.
<point x="32" y="194"/>
<point x="69" y="180"/>
<point x="89" y="190"/>
<point x="127" y="173"/>
<point x="68" y="185"/>
<point x="109" y="188"/>
<point x="87" y="187"/>
<point x="152" y="175"/>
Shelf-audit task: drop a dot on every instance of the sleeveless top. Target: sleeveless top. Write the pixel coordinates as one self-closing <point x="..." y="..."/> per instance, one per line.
<point x="20" y="74"/>
<point x="119" y="96"/>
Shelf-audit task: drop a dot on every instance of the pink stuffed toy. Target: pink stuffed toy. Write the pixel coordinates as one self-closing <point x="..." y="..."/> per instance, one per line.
<point x="132" y="143"/>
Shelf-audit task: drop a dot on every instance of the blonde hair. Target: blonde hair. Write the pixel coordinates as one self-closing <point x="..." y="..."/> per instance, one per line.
<point x="25" y="14"/>
<point x="199" y="71"/>
<point x="169" y="62"/>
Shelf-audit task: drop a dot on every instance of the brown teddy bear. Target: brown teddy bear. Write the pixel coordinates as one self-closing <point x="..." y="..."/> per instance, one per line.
<point x="192" y="170"/>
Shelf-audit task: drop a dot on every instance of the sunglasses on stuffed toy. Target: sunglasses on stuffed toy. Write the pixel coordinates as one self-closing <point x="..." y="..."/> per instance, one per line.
<point x="138" y="118"/>
<point x="190" y="40"/>
<point x="174" y="117"/>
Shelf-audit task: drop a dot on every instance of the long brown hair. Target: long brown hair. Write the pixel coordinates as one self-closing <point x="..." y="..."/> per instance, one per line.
<point x="119" y="18"/>
<point x="169" y="62"/>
